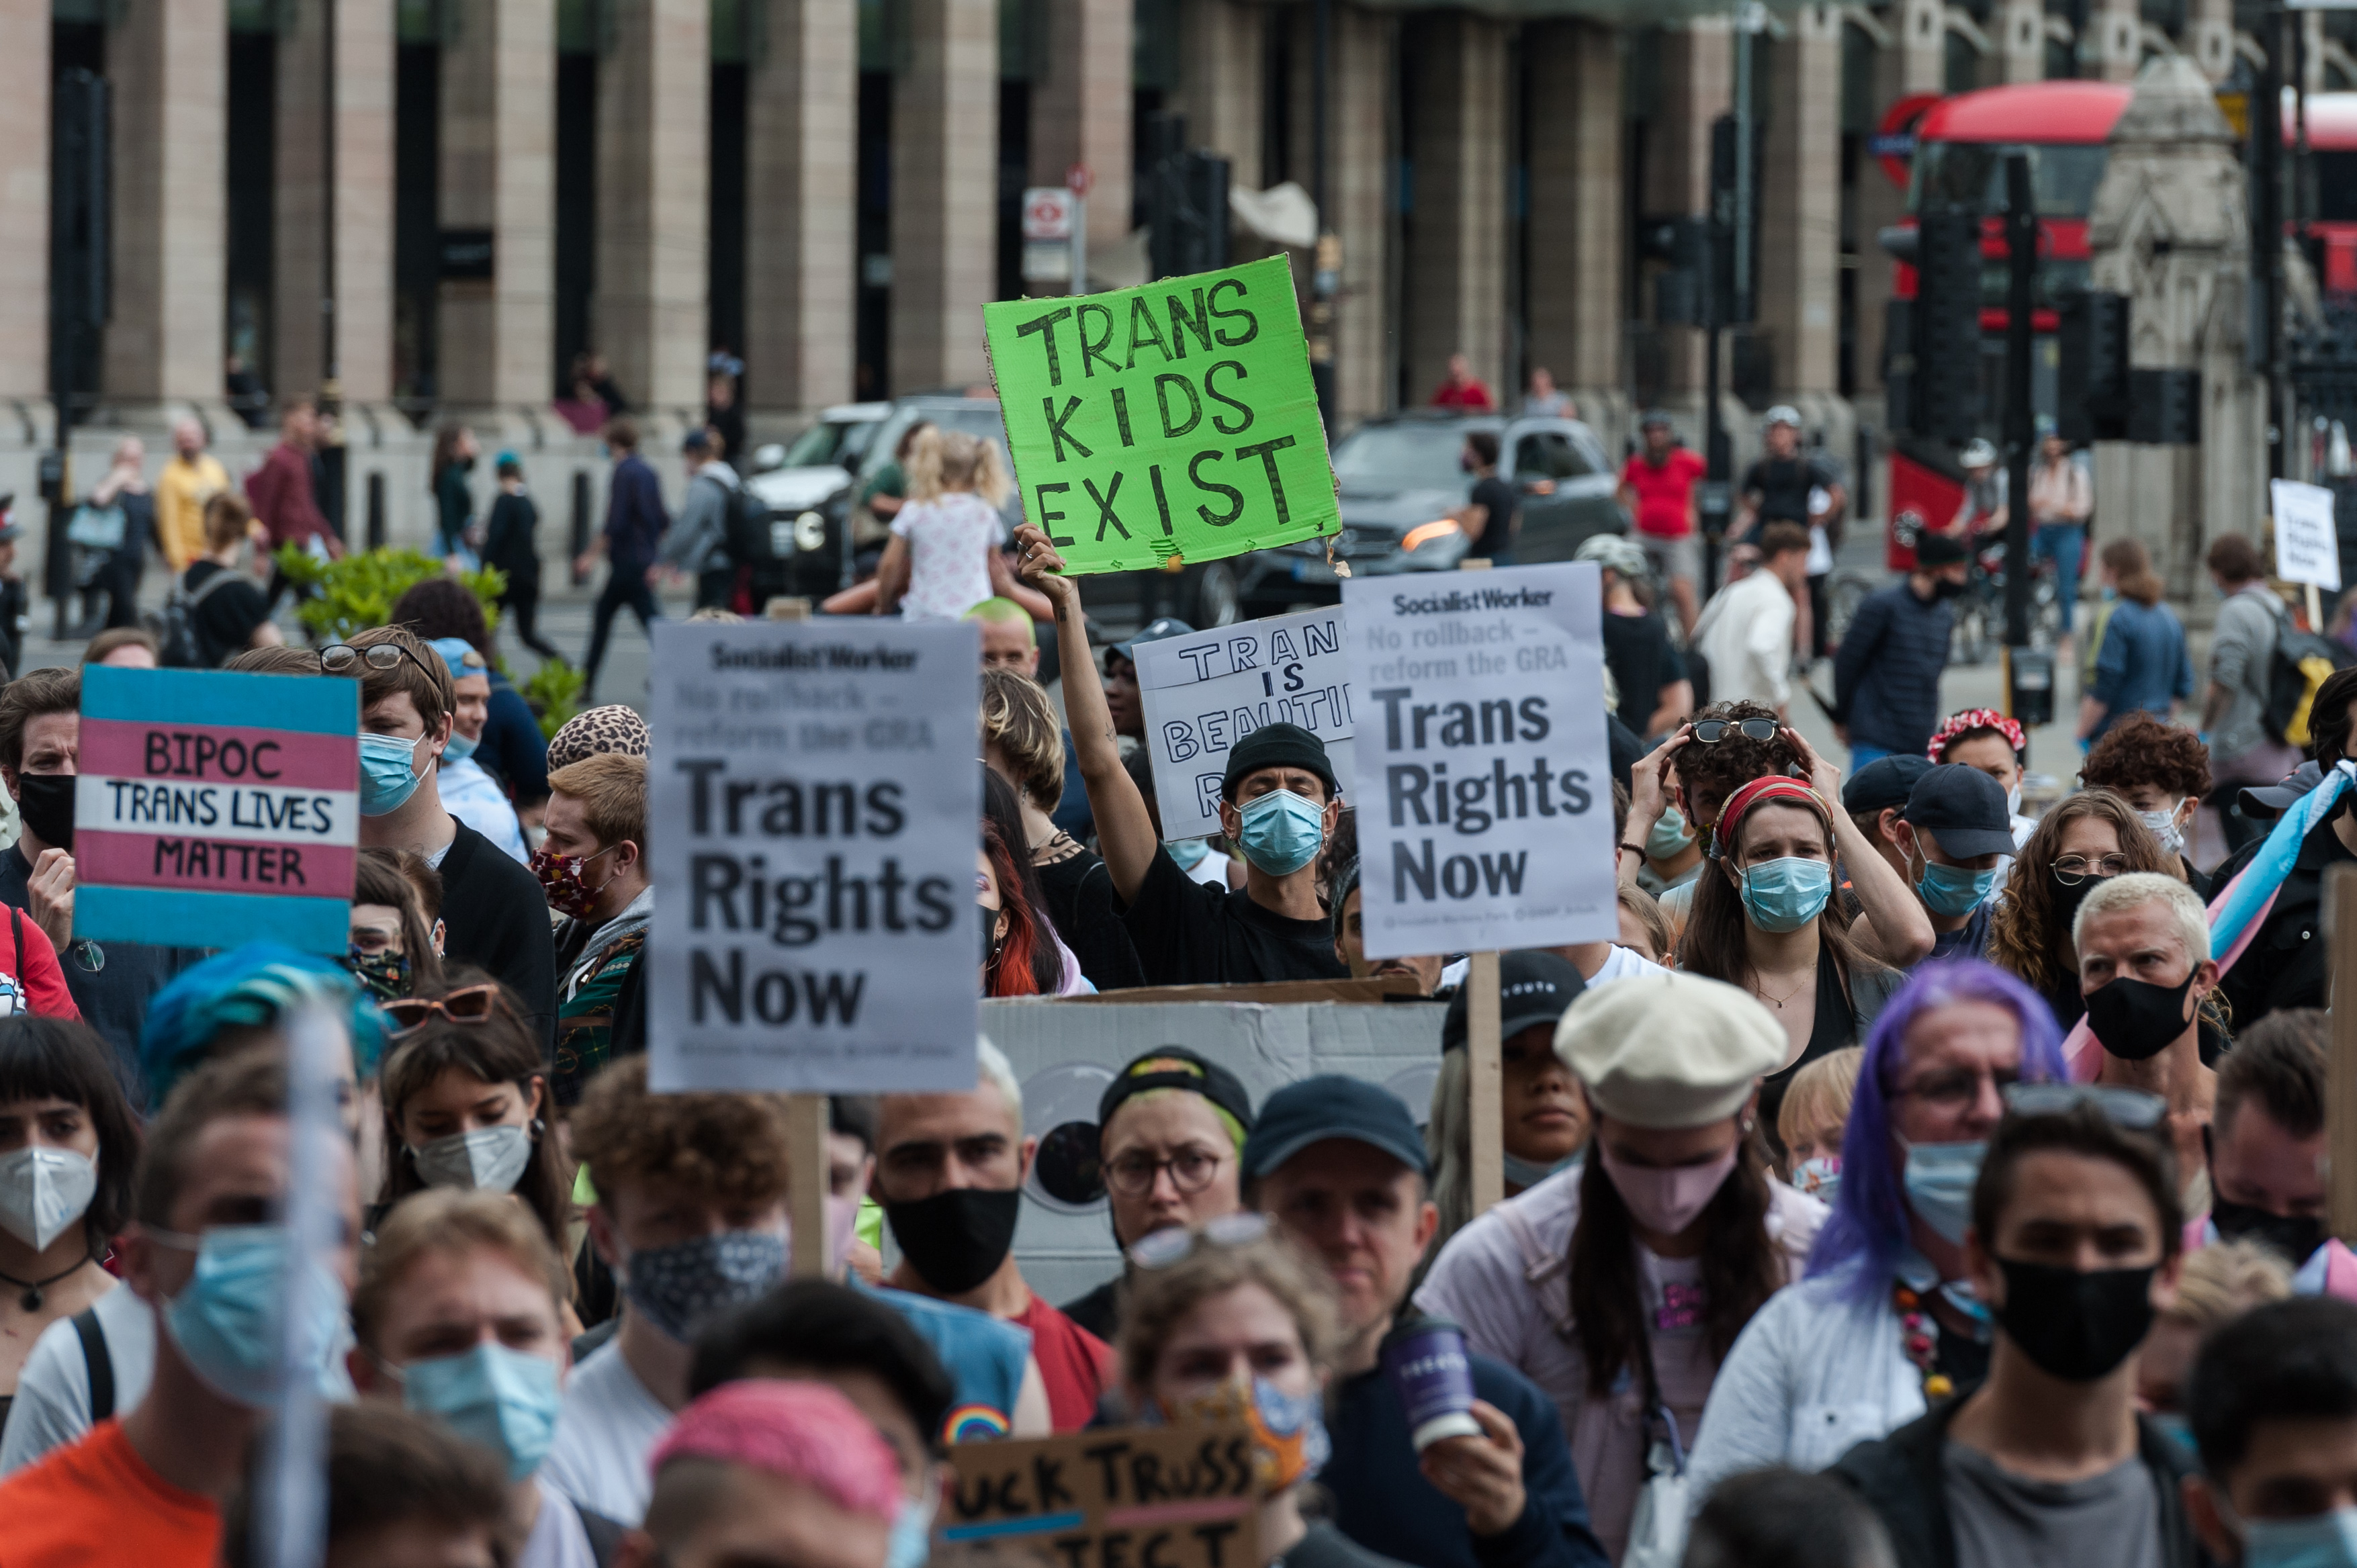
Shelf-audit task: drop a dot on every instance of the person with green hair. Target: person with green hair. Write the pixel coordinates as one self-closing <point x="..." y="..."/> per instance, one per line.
<point x="1170" y="1127"/>
<point x="237" y="998"/>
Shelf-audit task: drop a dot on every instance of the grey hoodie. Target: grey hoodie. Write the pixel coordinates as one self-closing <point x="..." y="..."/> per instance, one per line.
<point x="698" y="539"/>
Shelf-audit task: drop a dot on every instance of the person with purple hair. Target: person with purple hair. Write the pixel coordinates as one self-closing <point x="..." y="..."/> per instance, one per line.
<point x="1885" y="1323"/>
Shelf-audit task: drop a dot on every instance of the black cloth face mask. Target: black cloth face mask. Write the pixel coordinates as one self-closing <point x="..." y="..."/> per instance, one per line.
<point x="955" y="1240"/>
<point x="46" y="801"/>
<point x="2295" y="1236"/>
<point x="2075" y="1323"/>
<point x="2134" y="1019"/>
<point x="2067" y="897"/>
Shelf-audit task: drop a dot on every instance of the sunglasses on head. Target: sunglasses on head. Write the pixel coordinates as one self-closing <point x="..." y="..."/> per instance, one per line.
<point x="343" y="659"/>
<point x="1160" y="1248"/>
<point x="467" y="1005"/>
<point x="2131" y="1109"/>
<point x="1710" y="732"/>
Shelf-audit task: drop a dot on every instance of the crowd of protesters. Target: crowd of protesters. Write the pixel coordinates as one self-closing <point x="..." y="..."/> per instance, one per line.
<point x="1912" y="1182"/>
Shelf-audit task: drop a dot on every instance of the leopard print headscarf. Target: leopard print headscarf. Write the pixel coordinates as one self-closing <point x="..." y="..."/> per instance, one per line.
<point x="613" y="729"/>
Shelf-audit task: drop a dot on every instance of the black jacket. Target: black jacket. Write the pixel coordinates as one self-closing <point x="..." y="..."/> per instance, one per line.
<point x="1887" y="674"/>
<point x="1904" y="1479"/>
<point x="2285" y="964"/>
<point x="497" y="917"/>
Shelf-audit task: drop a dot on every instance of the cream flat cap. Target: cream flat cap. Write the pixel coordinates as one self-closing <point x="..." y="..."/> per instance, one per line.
<point x="1669" y="1050"/>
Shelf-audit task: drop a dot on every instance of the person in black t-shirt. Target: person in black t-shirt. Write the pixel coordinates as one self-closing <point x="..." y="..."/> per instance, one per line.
<point x="1277" y="800"/>
<point x="1656" y="695"/>
<point x="1776" y="488"/>
<point x="231" y="614"/>
<point x="1489" y="515"/>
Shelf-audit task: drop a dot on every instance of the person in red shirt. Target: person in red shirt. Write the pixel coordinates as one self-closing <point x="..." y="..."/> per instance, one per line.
<point x="1657" y="488"/>
<point x="1463" y="389"/>
<point x="280" y="490"/>
<point x="148" y="1487"/>
<point x="949" y="1172"/>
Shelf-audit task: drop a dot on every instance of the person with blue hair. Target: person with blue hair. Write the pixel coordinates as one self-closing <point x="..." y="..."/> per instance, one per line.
<point x="468" y="792"/>
<point x="1884" y="1324"/>
<point x="231" y="998"/>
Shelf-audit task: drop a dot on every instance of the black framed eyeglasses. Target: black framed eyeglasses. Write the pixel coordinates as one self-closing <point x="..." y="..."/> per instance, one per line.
<point x="1191" y="1171"/>
<point x="2131" y="1109"/>
<point x="343" y="659"/>
<point x="1710" y="732"/>
<point x="2073" y="869"/>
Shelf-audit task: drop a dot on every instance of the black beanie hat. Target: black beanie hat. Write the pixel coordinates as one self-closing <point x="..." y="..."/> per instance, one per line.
<point x="1276" y="745"/>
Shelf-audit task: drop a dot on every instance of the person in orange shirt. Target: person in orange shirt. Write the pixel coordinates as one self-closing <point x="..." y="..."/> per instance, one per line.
<point x="207" y="1253"/>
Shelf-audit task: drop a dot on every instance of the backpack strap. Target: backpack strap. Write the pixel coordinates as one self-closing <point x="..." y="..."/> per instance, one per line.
<point x="100" y="1363"/>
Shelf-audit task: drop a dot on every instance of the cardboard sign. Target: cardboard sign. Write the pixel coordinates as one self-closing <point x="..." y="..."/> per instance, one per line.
<point x="814" y="800"/>
<point x="1172" y="421"/>
<point x="2307" y="548"/>
<point x="1123" y="1497"/>
<point x="1484" y="783"/>
<point x="1205" y="693"/>
<point x="243" y="825"/>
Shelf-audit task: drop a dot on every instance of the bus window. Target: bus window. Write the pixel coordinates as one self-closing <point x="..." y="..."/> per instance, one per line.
<point x="2062" y="177"/>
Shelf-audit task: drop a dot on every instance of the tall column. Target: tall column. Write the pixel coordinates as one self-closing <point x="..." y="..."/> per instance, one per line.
<point x="1083" y="109"/>
<point x="802" y="120"/>
<point x="2209" y="37"/>
<point x="362" y="194"/>
<point x="1799" y="200"/>
<point x="2021" y="26"/>
<point x="1361" y="147"/>
<point x="24" y="200"/>
<point x="496" y="337"/>
<point x="1697" y="87"/>
<point x="654" y="129"/>
<point x="2110" y="42"/>
<point x="945" y="192"/>
<point x="1909" y="62"/>
<point x="1220" y="82"/>
<point x="168" y="65"/>
<point x="1457" y="264"/>
<point x="1576" y="211"/>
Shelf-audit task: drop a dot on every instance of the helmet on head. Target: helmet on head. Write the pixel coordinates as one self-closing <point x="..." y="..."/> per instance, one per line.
<point x="1783" y="413"/>
<point x="1978" y="453"/>
<point x="1614" y="553"/>
<point x="1654" y="419"/>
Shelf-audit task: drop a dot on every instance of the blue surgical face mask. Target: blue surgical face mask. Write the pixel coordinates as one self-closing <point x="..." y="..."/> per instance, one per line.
<point x="1939" y="1181"/>
<point x="1282" y="832"/>
<point x="504" y="1400"/>
<point x="387" y="780"/>
<point x="1786" y="894"/>
<point x="1670" y="835"/>
<point x="1819" y="1178"/>
<point x="1188" y="852"/>
<point x="1528" y="1174"/>
<point x="2179" y="1433"/>
<point x="226" y="1320"/>
<point x="913" y="1532"/>
<point x="2320" y="1540"/>
<point x="459" y="747"/>
<point x="1951" y="890"/>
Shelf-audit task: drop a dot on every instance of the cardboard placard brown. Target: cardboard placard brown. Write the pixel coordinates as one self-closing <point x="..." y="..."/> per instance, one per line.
<point x="1375" y="989"/>
<point x="1123" y="1497"/>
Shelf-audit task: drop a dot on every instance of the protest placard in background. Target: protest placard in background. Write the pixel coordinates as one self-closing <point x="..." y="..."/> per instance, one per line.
<point x="1204" y="693"/>
<point x="814" y="804"/>
<point x="240" y="828"/>
<point x="1172" y="421"/>
<point x="1123" y="1497"/>
<point x="2307" y="548"/>
<point x="1484" y="785"/>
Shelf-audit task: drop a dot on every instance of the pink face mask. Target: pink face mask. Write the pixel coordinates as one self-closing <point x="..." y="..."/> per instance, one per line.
<point x="1666" y="1201"/>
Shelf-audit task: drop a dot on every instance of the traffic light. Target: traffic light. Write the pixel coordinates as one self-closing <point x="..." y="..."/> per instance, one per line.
<point x="1186" y="201"/>
<point x="2092" y="369"/>
<point x="1682" y="290"/>
<point x="1946" y="390"/>
<point x="1737" y="297"/>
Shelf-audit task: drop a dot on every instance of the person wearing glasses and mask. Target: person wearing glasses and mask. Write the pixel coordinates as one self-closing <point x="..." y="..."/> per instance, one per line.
<point x="1687" y="780"/>
<point x="496" y="913"/>
<point x="1886" y="1321"/>
<point x="1169" y="1128"/>
<point x="2074" y="1250"/>
<point x="2145" y="971"/>
<point x="2084" y="841"/>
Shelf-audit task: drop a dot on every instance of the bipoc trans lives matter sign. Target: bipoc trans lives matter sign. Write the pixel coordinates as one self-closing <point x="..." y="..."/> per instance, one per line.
<point x="1484" y="785"/>
<point x="814" y="800"/>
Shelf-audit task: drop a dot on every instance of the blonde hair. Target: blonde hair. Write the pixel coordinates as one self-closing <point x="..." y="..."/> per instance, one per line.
<point x="1820" y="1095"/>
<point x="2224" y="1281"/>
<point x="451" y="1221"/>
<point x="1159" y="1299"/>
<point x="1650" y="915"/>
<point x="612" y="791"/>
<point x="944" y="460"/>
<point x="2136" y="888"/>
<point x="1017" y="717"/>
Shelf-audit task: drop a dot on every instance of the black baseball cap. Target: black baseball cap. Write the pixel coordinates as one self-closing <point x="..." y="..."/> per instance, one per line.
<point x="1533" y="987"/>
<point x="1934" y="549"/>
<point x="1153" y="630"/>
<point x="2275" y="800"/>
<point x="1332" y="1106"/>
<point x="1884" y="781"/>
<point x="1175" y="1066"/>
<point x="696" y="440"/>
<point x="1963" y="811"/>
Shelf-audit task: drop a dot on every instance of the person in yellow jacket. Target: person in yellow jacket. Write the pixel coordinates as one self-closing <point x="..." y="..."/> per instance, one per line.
<point x="191" y="477"/>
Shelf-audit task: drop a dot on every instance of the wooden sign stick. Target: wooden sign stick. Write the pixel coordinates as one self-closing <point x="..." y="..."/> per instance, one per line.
<point x="806" y="1180"/>
<point x="1486" y="1081"/>
<point x="2340" y="1066"/>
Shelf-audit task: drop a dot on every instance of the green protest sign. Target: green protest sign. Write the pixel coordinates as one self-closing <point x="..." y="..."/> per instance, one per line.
<point x="1176" y="419"/>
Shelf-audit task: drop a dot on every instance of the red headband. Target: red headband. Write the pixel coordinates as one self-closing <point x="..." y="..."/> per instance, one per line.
<point x="1775" y="788"/>
<point x="1970" y="720"/>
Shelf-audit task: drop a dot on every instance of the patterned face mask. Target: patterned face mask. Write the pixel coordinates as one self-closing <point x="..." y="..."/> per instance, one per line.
<point x="678" y="1287"/>
<point x="1288" y="1430"/>
<point x="384" y="974"/>
<point x="560" y="880"/>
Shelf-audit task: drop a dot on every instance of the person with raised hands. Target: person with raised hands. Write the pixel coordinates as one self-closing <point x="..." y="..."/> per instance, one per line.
<point x="1278" y="801"/>
<point x="1886" y="1320"/>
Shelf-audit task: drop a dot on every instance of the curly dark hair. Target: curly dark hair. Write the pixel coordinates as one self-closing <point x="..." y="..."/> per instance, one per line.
<point x="1727" y="766"/>
<point x="729" y="1146"/>
<point x="2140" y="749"/>
<point x="2027" y="936"/>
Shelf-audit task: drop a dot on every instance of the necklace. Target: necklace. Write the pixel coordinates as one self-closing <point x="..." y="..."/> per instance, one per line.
<point x="1780" y="1000"/>
<point x="1918" y="1336"/>
<point x="31" y="1300"/>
